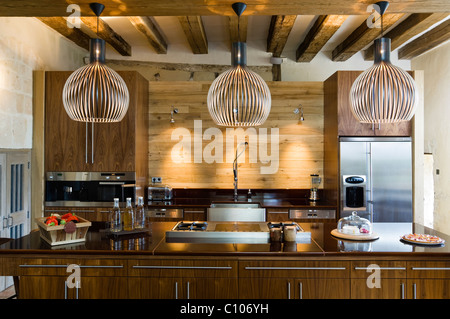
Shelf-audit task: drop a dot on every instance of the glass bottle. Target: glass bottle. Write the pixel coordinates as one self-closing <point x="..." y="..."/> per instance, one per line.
<point x="128" y="216"/>
<point x="115" y="221"/>
<point x="139" y="221"/>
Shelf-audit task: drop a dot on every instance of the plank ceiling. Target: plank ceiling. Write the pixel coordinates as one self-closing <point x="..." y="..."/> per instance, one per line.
<point x="303" y="26"/>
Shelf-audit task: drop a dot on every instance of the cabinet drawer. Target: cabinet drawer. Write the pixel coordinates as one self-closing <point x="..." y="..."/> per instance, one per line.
<point x="388" y="269"/>
<point x="192" y="213"/>
<point x="9" y="266"/>
<point x="297" y="269"/>
<point x="312" y="213"/>
<point x="58" y="267"/>
<point x="277" y="214"/>
<point x="182" y="268"/>
<point x="427" y="269"/>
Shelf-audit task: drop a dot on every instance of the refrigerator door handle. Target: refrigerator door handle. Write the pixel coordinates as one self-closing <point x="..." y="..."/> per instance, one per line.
<point x="370" y="183"/>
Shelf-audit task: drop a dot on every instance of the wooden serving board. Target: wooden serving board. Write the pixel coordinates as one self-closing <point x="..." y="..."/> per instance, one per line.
<point x="338" y="234"/>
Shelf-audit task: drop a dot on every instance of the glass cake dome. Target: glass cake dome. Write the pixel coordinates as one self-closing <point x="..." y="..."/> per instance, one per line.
<point x="354" y="225"/>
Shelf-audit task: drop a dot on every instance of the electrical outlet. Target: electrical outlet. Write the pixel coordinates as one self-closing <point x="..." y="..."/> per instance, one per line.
<point x="156" y="180"/>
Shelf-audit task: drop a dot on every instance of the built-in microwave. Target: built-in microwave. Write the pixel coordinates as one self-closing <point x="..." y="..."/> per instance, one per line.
<point x="94" y="189"/>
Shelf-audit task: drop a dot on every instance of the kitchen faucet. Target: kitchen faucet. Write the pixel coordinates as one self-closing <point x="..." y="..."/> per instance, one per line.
<point x="235" y="167"/>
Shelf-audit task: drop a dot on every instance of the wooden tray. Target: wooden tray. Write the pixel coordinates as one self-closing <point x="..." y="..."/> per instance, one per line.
<point x="125" y="232"/>
<point x="57" y="235"/>
<point x="338" y="234"/>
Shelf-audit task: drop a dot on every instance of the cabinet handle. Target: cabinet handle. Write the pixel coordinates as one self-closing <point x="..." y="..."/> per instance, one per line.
<point x="295" y="268"/>
<point x="430" y="268"/>
<point x="373" y="127"/>
<point x="65" y="289"/>
<point x="176" y="289"/>
<point x="180" y="267"/>
<point x="414" y="291"/>
<point x="402" y="289"/>
<point x="43" y="266"/>
<point x="65" y="266"/>
<point x="111" y="183"/>
<point x="300" y="290"/>
<point x="86" y="144"/>
<point x="108" y="267"/>
<point x="92" y="142"/>
<point x="381" y="268"/>
<point x="289" y="289"/>
<point x="188" y="290"/>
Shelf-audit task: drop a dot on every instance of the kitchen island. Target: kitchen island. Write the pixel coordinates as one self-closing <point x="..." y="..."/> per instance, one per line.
<point x="148" y="266"/>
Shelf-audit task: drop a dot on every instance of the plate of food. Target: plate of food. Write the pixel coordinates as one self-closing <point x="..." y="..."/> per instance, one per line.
<point x="423" y="239"/>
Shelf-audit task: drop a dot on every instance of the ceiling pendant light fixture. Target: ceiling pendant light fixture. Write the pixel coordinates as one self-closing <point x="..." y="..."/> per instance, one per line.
<point x="239" y="97"/>
<point x="96" y="93"/>
<point x="383" y="93"/>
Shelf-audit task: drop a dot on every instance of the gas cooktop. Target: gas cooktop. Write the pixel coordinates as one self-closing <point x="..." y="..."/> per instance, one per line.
<point x="229" y="232"/>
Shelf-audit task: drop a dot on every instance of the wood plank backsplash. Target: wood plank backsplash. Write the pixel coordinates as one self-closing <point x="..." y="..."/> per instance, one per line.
<point x="195" y="153"/>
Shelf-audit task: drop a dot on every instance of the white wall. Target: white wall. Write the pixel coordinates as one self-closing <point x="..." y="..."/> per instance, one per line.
<point x="436" y="68"/>
<point x="26" y="44"/>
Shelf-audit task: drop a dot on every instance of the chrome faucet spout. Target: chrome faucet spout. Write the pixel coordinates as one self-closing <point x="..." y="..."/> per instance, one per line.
<point x="235" y="168"/>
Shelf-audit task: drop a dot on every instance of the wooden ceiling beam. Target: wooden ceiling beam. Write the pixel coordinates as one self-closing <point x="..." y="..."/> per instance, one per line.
<point x="106" y="33"/>
<point x="362" y="37"/>
<point x="149" y="29"/>
<point x="426" y="42"/>
<point x="238" y="34"/>
<point x="129" y="8"/>
<point x="323" y="29"/>
<point x="75" y="35"/>
<point x="415" y="24"/>
<point x="195" y="33"/>
<point x="279" y="30"/>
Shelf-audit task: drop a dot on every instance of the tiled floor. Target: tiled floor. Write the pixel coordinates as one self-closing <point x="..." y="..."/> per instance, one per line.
<point x="8" y="292"/>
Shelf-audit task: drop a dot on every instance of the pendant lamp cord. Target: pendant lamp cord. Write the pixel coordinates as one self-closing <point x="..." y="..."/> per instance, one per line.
<point x="239" y="32"/>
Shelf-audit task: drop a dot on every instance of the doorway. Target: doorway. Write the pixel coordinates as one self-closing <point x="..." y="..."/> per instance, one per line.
<point x="15" y="197"/>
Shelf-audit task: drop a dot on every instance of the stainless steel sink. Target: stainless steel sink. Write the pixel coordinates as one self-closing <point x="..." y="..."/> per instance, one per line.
<point x="236" y="211"/>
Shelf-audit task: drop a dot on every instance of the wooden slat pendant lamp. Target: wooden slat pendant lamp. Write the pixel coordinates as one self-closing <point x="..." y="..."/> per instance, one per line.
<point x="96" y="93"/>
<point x="383" y="93"/>
<point x="239" y="97"/>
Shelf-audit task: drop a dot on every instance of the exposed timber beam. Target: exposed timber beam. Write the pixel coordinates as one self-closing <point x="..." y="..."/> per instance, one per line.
<point x="106" y="33"/>
<point x="195" y="33"/>
<point x="149" y="29"/>
<point x="280" y="28"/>
<point x="413" y="25"/>
<point x="74" y="34"/>
<point x="426" y="42"/>
<point x="187" y="67"/>
<point x="323" y="29"/>
<point x="362" y="37"/>
<point x="130" y="8"/>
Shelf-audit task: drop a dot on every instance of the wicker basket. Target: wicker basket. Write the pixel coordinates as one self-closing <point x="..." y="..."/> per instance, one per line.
<point x="57" y="235"/>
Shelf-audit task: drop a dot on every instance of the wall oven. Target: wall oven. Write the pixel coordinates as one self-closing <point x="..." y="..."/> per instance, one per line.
<point x="96" y="189"/>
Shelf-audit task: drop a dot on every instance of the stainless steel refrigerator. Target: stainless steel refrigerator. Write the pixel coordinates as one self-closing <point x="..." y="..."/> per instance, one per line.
<point x="376" y="178"/>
